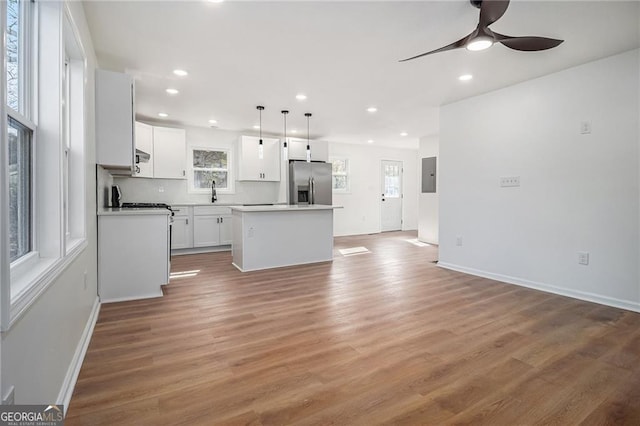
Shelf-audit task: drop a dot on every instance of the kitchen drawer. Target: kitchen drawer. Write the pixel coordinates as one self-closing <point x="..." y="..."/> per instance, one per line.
<point x="181" y="210"/>
<point x="211" y="210"/>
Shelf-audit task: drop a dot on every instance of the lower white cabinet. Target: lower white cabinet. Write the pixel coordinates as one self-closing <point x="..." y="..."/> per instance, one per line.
<point x="133" y="255"/>
<point x="182" y="229"/>
<point x="206" y="231"/>
<point x="201" y="226"/>
<point x="226" y="229"/>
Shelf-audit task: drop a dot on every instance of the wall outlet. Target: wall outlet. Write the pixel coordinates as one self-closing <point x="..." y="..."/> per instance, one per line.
<point x="459" y="241"/>
<point x="10" y="397"/>
<point x="585" y="127"/>
<point x="583" y="258"/>
<point x="507" y="181"/>
<point x="161" y="189"/>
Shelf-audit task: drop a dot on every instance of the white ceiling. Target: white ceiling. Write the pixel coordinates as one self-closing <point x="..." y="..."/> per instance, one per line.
<point x="342" y="55"/>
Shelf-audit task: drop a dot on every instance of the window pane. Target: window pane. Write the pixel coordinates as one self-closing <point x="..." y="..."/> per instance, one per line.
<point x="391" y="181"/>
<point x="209" y="159"/>
<point x="339" y="166"/>
<point x="340" y="182"/>
<point x="19" y="138"/>
<point x="13" y="55"/>
<point x="202" y="179"/>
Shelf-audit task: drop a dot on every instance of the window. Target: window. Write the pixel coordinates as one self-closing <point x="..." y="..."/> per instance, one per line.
<point x="20" y="230"/>
<point x="20" y="130"/>
<point x="392" y="179"/>
<point x="208" y="166"/>
<point x="44" y="161"/>
<point x="73" y="137"/>
<point x="340" y="174"/>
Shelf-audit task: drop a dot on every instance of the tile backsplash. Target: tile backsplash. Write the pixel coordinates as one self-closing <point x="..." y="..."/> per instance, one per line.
<point x="174" y="191"/>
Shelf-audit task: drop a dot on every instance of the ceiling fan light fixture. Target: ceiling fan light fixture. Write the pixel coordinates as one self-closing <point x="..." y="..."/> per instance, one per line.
<point x="479" y="43"/>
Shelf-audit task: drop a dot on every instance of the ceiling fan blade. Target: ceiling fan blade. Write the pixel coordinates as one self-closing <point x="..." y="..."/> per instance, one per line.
<point x="455" y="45"/>
<point x="529" y="44"/>
<point x="491" y="11"/>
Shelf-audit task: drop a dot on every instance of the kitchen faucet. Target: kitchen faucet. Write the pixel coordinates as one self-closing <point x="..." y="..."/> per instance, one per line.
<point x="214" y="196"/>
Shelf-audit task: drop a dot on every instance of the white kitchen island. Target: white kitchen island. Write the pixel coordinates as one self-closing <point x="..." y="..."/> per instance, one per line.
<point x="282" y="235"/>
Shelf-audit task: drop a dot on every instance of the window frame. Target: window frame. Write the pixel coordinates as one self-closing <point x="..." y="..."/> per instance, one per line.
<point x="24" y="116"/>
<point x="191" y="169"/>
<point x="346" y="174"/>
<point x="24" y="280"/>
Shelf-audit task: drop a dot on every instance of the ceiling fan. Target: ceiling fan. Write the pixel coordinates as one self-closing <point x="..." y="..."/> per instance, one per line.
<point x="482" y="37"/>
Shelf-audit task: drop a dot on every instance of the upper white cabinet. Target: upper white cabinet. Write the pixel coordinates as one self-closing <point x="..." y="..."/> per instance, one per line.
<point x="298" y="150"/>
<point x="251" y="166"/>
<point x="114" y="122"/>
<point x="169" y="153"/>
<point x="144" y="142"/>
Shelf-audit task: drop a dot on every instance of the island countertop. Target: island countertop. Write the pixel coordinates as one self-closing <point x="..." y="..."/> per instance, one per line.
<point x="285" y="208"/>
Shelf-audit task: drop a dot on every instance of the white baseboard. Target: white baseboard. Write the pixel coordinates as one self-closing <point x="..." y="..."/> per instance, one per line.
<point x="136" y="297"/>
<point x="69" y="383"/>
<point x="629" y="305"/>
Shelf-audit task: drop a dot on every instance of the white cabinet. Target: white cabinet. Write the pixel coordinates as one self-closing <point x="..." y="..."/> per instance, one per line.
<point x="206" y="231"/>
<point x="114" y="122"/>
<point x="226" y="229"/>
<point x="144" y="142"/>
<point x="211" y="226"/>
<point x="133" y="255"/>
<point x="169" y="153"/>
<point x="298" y="150"/>
<point x="251" y="166"/>
<point x="182" y="228"/>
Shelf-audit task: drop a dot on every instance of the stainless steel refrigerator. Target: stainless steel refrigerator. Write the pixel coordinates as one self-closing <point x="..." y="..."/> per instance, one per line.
<point x="309" y="183"/>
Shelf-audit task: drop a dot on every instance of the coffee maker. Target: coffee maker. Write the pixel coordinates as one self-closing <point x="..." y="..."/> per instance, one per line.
<point x="116" y="196"/>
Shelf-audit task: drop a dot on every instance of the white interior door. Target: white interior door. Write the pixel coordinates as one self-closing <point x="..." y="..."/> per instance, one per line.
<point x="391" y="204"/>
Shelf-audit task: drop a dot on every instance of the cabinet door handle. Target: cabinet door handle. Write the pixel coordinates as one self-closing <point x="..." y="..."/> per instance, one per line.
<point x="221" y="219"/>
<point x="186" y="221"/>
<point x="217" y="220"/>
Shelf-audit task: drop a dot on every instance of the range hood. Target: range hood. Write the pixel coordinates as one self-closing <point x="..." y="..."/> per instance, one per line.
<point x="141" y="156"/>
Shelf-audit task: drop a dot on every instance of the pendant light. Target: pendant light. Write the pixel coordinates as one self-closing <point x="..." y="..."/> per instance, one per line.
<point x="285" y="153"/>
<point x="308" y="115"/>
<point x="260" y="146"/>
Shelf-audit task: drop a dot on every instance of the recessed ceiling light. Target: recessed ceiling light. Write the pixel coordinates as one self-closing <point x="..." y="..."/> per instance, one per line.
<point x="370" y="141"/>
<point x="372" y="109"/>
<point x="294" y="131"/>
<point x="256" y="127"/>
<point x="301" y="96"/>
<point x="213" y="121"/>
<point x="172" y="91"/>
<point x="404" y="134"/>
<point x="465" y="77"/>
<point x="215" y="1"/>
<point x="163" y="114"/>
<point x="180" y="73"/>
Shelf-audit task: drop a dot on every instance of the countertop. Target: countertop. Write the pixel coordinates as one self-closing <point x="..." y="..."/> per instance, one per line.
<point x="117" y="211"/>
<point x="284" y="208"/>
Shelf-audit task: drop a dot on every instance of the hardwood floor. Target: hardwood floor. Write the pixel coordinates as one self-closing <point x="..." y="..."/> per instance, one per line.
<point x="380" y="338"/>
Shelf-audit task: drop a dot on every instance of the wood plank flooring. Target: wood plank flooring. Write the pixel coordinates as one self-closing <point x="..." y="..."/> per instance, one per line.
<point x="385" y="337"/>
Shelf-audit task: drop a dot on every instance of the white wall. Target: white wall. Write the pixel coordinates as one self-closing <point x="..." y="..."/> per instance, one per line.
<point x="428" y="202"/>
<point x="38" y="351"/>
<point x="361" y="212"/>
<point x="579" y="192"/>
